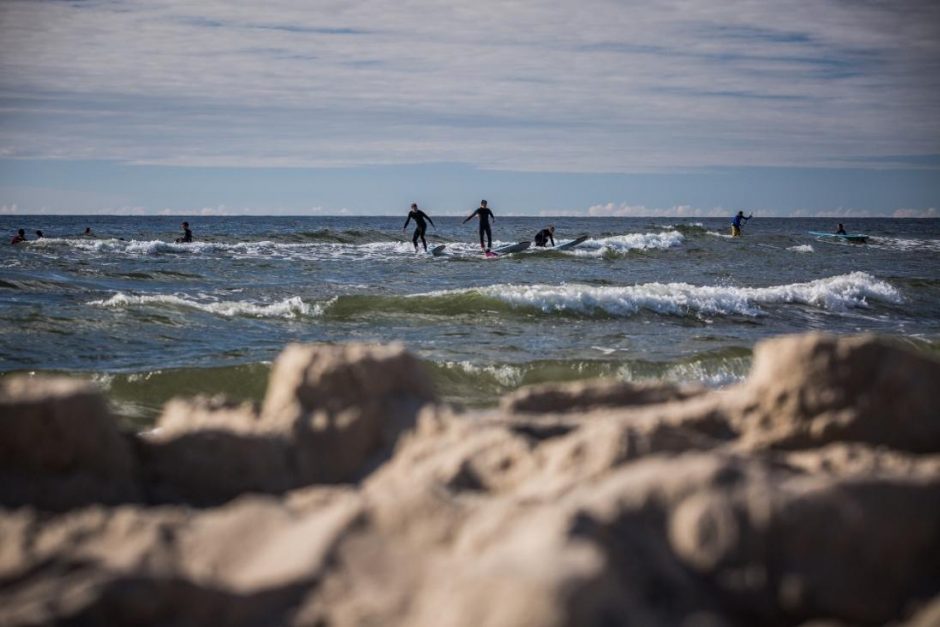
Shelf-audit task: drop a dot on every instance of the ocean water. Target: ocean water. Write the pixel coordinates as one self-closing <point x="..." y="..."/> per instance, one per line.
<point x="641" y="299"/>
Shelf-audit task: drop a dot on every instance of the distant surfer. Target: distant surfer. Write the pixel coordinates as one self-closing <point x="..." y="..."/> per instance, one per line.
<point x="87" y="232"/>
<point x="19" y="237"/>
<point x="420" y="227"/>
<point x="545" y="235"/>
<point x="39" y="235"/>
<point x="485" y="215"/>
<point x="840" y="230"/>
<point x="187" y="235"/>
<point x="736" y="223"/>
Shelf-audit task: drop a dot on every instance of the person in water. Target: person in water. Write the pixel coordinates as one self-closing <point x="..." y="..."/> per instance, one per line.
<point x="87" y="232"/>
<point x="485" y="215"/>
<point x="420" y="227"/>
<point x="736" y="223"/>
<point x="187" y="235"/>
<point x="39" y="235"/>
<point x="19" y="237"/>
<point x="840" y="230"/>
<point x="545" y="235"/>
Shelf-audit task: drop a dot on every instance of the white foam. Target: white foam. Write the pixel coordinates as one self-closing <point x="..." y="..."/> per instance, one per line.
<point x="311" y="251"/>
<point x="287" y="308"/>
<point x="838" y="293"/>
<point x="803" y="248"/>
<point x="905" y="244"/>
<point x="619" y="244"/>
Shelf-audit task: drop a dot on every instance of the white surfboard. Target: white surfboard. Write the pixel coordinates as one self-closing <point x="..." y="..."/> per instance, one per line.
<point x="571" y="244"/>
<point x="512" y="248"/>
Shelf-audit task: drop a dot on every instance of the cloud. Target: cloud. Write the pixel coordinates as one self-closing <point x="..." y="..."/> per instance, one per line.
<point x="929" y="212"/>
<point x="614" y="87"/>
<point x="625" y="210"/>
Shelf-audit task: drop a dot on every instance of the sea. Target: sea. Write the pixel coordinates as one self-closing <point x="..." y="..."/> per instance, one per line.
<point x="642" y="299"/>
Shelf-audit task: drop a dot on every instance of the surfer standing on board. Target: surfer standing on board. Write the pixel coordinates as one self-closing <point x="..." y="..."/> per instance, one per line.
<point x="736" y="223"/>
<point x="420" y="227"/>
<point x="485" y="216"/>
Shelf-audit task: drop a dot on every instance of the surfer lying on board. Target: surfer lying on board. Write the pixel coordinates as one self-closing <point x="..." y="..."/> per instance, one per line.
<point x="485" y="216"/>
<point x="840" y="230"/>
<point x="420" y="227"/>
<point x="545" y="235"/>
<point x="736" y="223"/>
<point x="187" y="235"/>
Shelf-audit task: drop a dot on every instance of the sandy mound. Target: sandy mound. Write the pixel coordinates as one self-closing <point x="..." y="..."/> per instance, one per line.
<point x="809" y="492"/>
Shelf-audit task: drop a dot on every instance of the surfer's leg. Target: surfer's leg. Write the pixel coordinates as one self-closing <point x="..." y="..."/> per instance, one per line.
<point x="481" y="237"/>
<point x="423" y="241"/>
<point x="489" y="237"/>
<point x="414" y="239"/>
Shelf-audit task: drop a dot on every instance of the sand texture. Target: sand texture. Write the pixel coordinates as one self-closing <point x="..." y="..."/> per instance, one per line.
<point x="809" y="494"/>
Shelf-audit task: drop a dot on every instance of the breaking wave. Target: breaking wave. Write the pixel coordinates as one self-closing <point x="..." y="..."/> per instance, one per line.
<point x="288" y="308"/>
<point x="619" y="245"/>
<point x="837" y="294"/>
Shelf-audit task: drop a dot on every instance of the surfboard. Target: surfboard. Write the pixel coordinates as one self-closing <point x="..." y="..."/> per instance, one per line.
<point x="437" y="251"/>
<point x="490" y="254"/>
<point x="861" y="238"/>
<point x="512" y="248"/>
<point x="571" y="244"/>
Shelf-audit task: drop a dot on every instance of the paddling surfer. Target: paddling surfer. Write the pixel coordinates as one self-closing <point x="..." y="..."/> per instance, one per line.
<point x="840" y="230"/>
<point x="187" y="235"/>
<point x="420" y="227"/>
<point x="485" y="215"/>
<point x="19" y="237"/>
<point x="545" y="235"/>
<point x="736" y="223"/>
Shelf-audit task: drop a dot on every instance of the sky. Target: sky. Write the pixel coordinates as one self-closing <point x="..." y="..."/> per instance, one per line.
<point x="585" y="107"/>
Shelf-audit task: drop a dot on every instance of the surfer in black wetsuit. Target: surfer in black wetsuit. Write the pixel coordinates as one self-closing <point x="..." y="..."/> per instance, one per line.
<point x="187" y="235"/>
<point x="485" y="216"/>
<point x="420" y="227"/>
<point x="545" y="235"/>
<point x="840" y="230"/>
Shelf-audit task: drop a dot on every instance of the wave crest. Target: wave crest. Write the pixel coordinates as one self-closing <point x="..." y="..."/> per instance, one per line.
<point x="838" y="293"/>
<point x="292" y="307"/>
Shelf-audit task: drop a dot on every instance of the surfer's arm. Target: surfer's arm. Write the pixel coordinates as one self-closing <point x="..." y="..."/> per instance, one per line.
<point x="429" y="219"/>
<point x="551" y="238"/>
<point x="407" y="220"/>
<point x="470" y="217"/>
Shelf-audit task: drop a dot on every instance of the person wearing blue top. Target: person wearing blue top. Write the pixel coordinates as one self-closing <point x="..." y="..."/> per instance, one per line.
<point x="736" y="223"/>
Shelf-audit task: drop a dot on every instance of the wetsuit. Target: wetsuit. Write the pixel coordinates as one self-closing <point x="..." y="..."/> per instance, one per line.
<point x="420" y="227"/>
<point x="736" y="224"/>
<point x="187" y="237"/>
<point x="543" y="237"/>
<point x="485" y="215"/>
<point x="840" y="231"/>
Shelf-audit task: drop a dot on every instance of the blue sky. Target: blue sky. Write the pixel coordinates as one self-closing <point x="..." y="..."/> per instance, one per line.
<point x="809" y="107"/>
